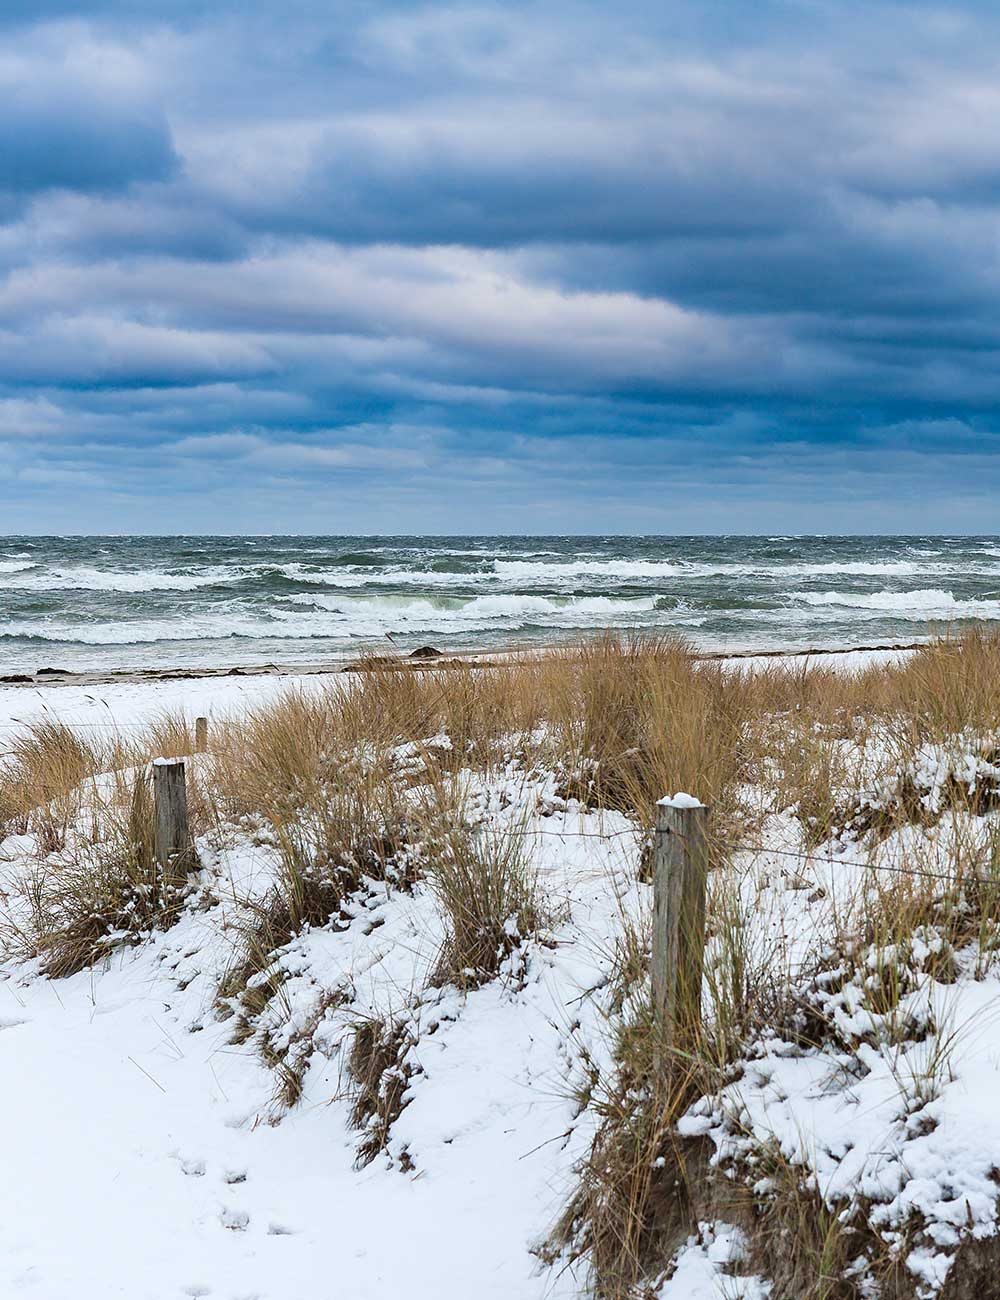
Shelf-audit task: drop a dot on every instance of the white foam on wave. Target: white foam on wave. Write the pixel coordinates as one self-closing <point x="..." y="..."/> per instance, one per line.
<point x="500" y="574"/>
<point x="83" y="578"/>
<point x="863" y="568"/>
<point x="503" y="572"/>
<point x="396" y="575"/>
<point x="463" y="609"/>
<point x="529" y="571"/>
<point x="351" y="616"/>
<point x="355" y="618"/>
<point x="919" y="606"/>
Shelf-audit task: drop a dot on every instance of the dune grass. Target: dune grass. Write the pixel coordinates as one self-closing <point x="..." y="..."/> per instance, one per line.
<point x="361" y="785"/>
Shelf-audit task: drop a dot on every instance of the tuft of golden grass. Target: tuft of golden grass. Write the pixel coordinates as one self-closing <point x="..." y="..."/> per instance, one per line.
<point x="40" y="784"/>
<point x="947" y="688"/>
<point x="267" y="761"/>
<point x="105" y="890"/>
<point x="633" y="718"/>
<point x="490" y="897"/>
<point x="333" y="826"/>
<point x="169" y="735"/>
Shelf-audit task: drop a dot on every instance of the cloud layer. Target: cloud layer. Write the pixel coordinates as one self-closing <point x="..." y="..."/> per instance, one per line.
<point x="499" y="267"/>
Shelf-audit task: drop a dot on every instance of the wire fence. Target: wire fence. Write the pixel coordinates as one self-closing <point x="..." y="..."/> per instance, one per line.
<point x="634" y="832"/>
<point x="644" y="837"/>
<point x="959" y="876"/>
<point x="766" y="850"/>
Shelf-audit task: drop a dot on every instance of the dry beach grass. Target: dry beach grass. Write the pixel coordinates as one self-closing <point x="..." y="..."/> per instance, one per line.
<point x="371" y="784"/>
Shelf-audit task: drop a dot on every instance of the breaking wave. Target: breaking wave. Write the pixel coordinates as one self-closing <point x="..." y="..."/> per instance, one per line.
<point x="921" y="604"/>
<point x="144" y="601"/>
<point x="89" y="579"/>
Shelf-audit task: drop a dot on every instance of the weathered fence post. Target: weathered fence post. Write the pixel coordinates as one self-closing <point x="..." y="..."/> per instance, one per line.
<point x="680" y="868"/>
<point x="200" y="735"/>
<point x="173" y="840"/>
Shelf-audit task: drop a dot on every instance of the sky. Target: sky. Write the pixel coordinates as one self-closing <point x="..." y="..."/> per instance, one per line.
<point x="566" y="268"/>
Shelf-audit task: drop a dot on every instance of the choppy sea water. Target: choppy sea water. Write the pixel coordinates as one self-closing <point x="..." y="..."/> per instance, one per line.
<point x="108" y="602"/>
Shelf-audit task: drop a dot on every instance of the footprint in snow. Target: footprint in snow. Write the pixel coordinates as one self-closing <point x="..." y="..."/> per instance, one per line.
<point x="233" y="1219"/>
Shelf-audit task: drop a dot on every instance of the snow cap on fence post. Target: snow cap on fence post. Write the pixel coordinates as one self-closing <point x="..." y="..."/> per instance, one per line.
<point x="680" y="800"/>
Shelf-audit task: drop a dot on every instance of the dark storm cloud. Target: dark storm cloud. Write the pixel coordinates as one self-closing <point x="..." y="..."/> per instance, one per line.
<point x="78" y="115"/>
<point x="426" y="253"/>
<point x="67" y="142"/>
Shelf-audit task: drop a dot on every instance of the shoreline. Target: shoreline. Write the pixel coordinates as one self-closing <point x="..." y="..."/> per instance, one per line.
<point x="415" y="661"/>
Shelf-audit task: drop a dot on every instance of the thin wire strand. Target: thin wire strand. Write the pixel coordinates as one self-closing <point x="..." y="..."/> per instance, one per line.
<point x="62" y="722"/>
<point x="829" y="861"/>
<point x="876" y="866"/>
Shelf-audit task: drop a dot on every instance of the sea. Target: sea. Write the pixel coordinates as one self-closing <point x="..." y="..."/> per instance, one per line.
<point x="103" y="603"/>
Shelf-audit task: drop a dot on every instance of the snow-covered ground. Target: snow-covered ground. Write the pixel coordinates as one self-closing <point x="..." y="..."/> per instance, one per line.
<point x="142" y="1158"/>
<point x="124" y="705"/>
<point x="892" y="1113"/>
<point x="145" y="1155"/>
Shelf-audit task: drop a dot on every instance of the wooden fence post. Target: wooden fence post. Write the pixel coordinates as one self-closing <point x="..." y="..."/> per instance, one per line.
<point x="680" y="868"/>
<point x="173" y="840"/>
<point x="200" y="735"/>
